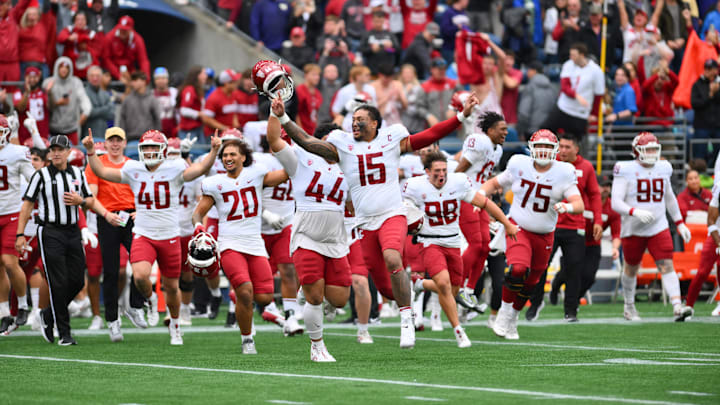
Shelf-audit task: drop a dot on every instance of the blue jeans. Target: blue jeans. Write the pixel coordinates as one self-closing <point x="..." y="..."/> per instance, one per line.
<point x="700" y="150"/>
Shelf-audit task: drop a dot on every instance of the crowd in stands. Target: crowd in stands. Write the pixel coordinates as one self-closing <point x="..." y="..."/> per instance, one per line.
<point x="408" y="56"/>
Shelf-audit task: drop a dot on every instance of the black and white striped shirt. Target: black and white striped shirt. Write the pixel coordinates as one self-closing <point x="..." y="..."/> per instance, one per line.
<point x="48" y="185"/>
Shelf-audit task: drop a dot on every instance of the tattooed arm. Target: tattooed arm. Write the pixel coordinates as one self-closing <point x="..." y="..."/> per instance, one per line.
<point x="311" y="144"/>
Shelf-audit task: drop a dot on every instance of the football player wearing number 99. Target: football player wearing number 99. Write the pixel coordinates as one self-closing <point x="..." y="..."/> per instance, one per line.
<point x="369" y="157"/>
<point x="319" y="241"/>
<point x="539" y="183"/>
<point x="156" y="183"/>
<point x="237" y="195"/>
<point x="641" y="193"/>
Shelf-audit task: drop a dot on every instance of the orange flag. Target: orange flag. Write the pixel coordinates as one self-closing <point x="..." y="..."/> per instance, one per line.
<point x="697" y="52"/>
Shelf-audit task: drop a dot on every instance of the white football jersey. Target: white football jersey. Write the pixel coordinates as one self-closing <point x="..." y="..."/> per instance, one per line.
<point x="279" y="199"/>
<point x="535" y="193"/>
<point x="239" y="204"/>
<point x="14" y="163"/>
<point x="715" y="201"/>
<point x="156" y="197"/>
<point x="216" y="168"/>
<point x="483" y="156"/>
<point x="371" y="170"/>
<point x="319" y="185"/>
<point x="411" y="165"/>
<point x="647" y="188"/>
<point x="441" y="207"/>
<point x="189" y="193"/>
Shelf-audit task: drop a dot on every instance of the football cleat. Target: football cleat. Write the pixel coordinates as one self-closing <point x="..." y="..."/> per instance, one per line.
<point x="491" y="321"/>
<point x="214" y="307"/>
<point x="330" y="311"/>
<point x="436" y="321"/>
<point x="534" y="311"/>
<point x="137" y="317"/>
<point x="230" y="321"/>
<point x="682" y="312"/>
<point x="502" y="323"/>
<point x="364" y="338"/>
<point x="35" y="322"/>
<point x="96" y="323"/>
<point x="22" y="316"/>
<point x="6" y="323"/>
<point x="67" y="341"/>
<point x="292" y="327"/>
<point x="512" y="332"/>
<point x="274" y="317"/>
<point x="175" y="335"/>
<point x="248" y="346"/>
<point x="461" y="338"/>
<point x="407" y="333"/>
<point x="630" y="313"/>
<point x="153" y="318"/>
<point x="115" y="331"/>
<point x="47" y="326"/>
<point x="571" y="318"/>
<point x="185" y="318"/>
<point x="716" y="311"/>
<point x="319" y="353"/>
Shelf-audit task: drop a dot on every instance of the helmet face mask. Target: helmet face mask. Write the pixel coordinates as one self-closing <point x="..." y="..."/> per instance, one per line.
<point x="272" y="80"/>
<point x="543" y="156"/>
<point x="154" y="157"/>
<point x="646" y="148"/>
<point x="203" y="256"/>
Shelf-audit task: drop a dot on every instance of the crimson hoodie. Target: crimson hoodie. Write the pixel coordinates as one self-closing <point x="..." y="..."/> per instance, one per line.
<point x="132" y="53"/>
<point x="590" y="193"/>
<point x="10" y="33"/>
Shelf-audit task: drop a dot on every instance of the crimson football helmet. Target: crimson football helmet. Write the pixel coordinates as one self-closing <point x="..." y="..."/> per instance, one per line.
<point x="232" y="133"/>
<point x="646" y="148"/>
<point x="173" y="148"/>
<point x="543" y="156"/>
<point x="76" y="158"/>
<point x="153" y="137"/>
<point x="457" y="102"/>
<point x="271" y="79"/>
<point x="361" y="98"/>
<point x="100" y="148"/>
<point x="4" y="130"/>
<point x="415" y="217"/>
<point x="203" y="255"/>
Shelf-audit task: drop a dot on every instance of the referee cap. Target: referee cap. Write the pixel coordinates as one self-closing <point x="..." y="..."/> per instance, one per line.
<point x="60" y="140"/>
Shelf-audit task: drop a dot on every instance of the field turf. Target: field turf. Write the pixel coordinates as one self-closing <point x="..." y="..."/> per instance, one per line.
<point x="601" y="359"/>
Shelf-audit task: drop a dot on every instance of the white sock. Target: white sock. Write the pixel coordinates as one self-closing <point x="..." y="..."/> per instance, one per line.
<point x="313" y="315"/>
<point x="272" y="307"/>
<point x="290" y="304"/>
<point x="215" y="292"/>
<point x="514" y="312"/>
<point x="671" y="285"/>
<point x="22" y="302"/>
<point x="362" y="327"/>
<point x="173" y="323"/>
<point x="246" y="338"/>
<point x="405" y="314"/>
<point x="4" y="309"/>
<point x="231" y="307"/>
<point x="458" y="329"/>
<point x="628" y="285"/>
<point x="35" y="296"/>
<point x="506" y="306"/>
<point x="184" y="307"/>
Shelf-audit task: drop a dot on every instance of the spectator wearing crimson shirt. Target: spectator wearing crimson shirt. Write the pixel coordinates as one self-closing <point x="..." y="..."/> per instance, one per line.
<point x="415" y="18"/>
<point x="32" y="101"/>
<point x="190" y="102"/>
<point x="221" y="107"/>
<point x="125" y="47"/>
<point x="80" y="44"/>
<point x="658" y="90"/>
<point x="167" y="98"/>
<point x="511" y="88"/>
<point x="309" y="99"/>
<point x="9" y="35"/>
<point x="36" y="40"/>
<point x="247" y="100"/>
<point x="694" y="197"/>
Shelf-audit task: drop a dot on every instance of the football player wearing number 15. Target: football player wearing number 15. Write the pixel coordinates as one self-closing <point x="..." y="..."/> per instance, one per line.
<point x="156" y="183"/>
<point x="369" y="157"/>
<point x="539" y="184"/>
<point x="641" y="193"/>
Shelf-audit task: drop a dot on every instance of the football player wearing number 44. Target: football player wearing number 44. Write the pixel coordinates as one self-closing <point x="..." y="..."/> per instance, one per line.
<point x="156" y="183"/>
<point x="641" y="193"/>
<point x="369" y="157"/>
<point x="539" y="184"/>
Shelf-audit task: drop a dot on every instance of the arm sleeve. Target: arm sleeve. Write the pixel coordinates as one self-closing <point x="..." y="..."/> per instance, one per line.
<point x="615" y="224"/>
<point x="33" y="188"/>
<point x="593" y="194"/>
<point x="619" y="188"/>
<point x="288" y="159"/>
<point x="26" y="170"/>
<point x="566" y="87"/>
<point x="433" y="134"/>
<point x="571" y="191"/>
<point x="558" y="31"/>
<point x="671" y="203"/>
<point x="505" y="180"/>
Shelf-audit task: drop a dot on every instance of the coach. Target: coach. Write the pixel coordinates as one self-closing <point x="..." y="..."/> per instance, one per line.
<point x="117" y="198"/>
<point x="59" y="189"/>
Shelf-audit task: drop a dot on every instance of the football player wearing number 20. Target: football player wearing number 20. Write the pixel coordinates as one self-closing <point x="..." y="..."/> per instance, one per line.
<point x="641" y="193"/>
<point x="369" y="157"/>
<point x="539" y="183"/>
<point x="156" y="182"/>
<point x="237" y="194"/>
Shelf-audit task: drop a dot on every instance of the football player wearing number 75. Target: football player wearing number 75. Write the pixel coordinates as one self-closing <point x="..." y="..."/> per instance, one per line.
<point x="539" y="183"/>
<point x="156" y="182"/>
<point x="641" y="193"/>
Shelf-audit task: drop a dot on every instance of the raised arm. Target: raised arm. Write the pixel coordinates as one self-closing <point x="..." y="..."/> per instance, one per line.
<point x="105" y="173"/>
<point x="624" y="20"/>
<point x="440" y="130"/>
<point x="198" y="169"/>
<point x="323" y="149"/>
<point x="206" y="202"/>
<point x="274" y="130"/>
<point x="285" y="155"/>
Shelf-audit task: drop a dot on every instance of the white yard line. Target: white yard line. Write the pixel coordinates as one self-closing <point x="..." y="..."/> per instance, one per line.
<point x="415" y="398"/>
<point x="522" y="393"/>
<point x="282" y="401"/>
<point x="692" y="393"/>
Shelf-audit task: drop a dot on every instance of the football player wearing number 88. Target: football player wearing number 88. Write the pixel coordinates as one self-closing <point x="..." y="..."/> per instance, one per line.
<point x="539" y="184"/>
<point x="237" y="195"/>
<point x="641" y="193"/>
<point x="156" y="183"/>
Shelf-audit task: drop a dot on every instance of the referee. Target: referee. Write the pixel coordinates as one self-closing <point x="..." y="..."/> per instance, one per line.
<point x="59" y="189"/>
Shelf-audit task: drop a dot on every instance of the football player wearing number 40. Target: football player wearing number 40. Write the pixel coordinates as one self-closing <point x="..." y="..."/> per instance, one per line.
<point x="156" y="183"/>
<point x="641" y="193"/>
<point x="369" y="157"/>
<point x="539" y="183"/>
<point x="237" y="195"/>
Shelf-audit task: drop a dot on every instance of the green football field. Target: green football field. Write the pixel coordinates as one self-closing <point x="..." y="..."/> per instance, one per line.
<point x="602" y="359"/>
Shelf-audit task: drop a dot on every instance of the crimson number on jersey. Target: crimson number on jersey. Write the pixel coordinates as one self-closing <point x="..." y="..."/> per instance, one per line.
<point x="365" y="162"/>
<point x="4" y="185"/>
<point x="236" y="196"/>
<point x="444" y="213"/>
<point x="482" y="175"/>
<point x="333" y="196"/>
<point x="161" y="195"/>
<point x="544" y="198"/>
<point x="650" y="191"/>
<point x="184" y="200"/>
<point x="282" y="193"/>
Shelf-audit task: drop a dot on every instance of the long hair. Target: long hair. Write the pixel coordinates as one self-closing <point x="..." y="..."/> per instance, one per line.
<point x="191" y="79"/>
<point x="242" y="147"/>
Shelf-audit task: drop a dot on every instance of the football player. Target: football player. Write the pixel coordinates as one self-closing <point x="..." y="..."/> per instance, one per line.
<point x="369" y="157"/>
<point x="237" y="195"/>
<point x="319" y="241"/>
<point x="539" y="183"/>
<point x="156" y="182"/>
<point x="710" y="252"/>
<point x="438" y="195"/>
<point x="641" y="194"/>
